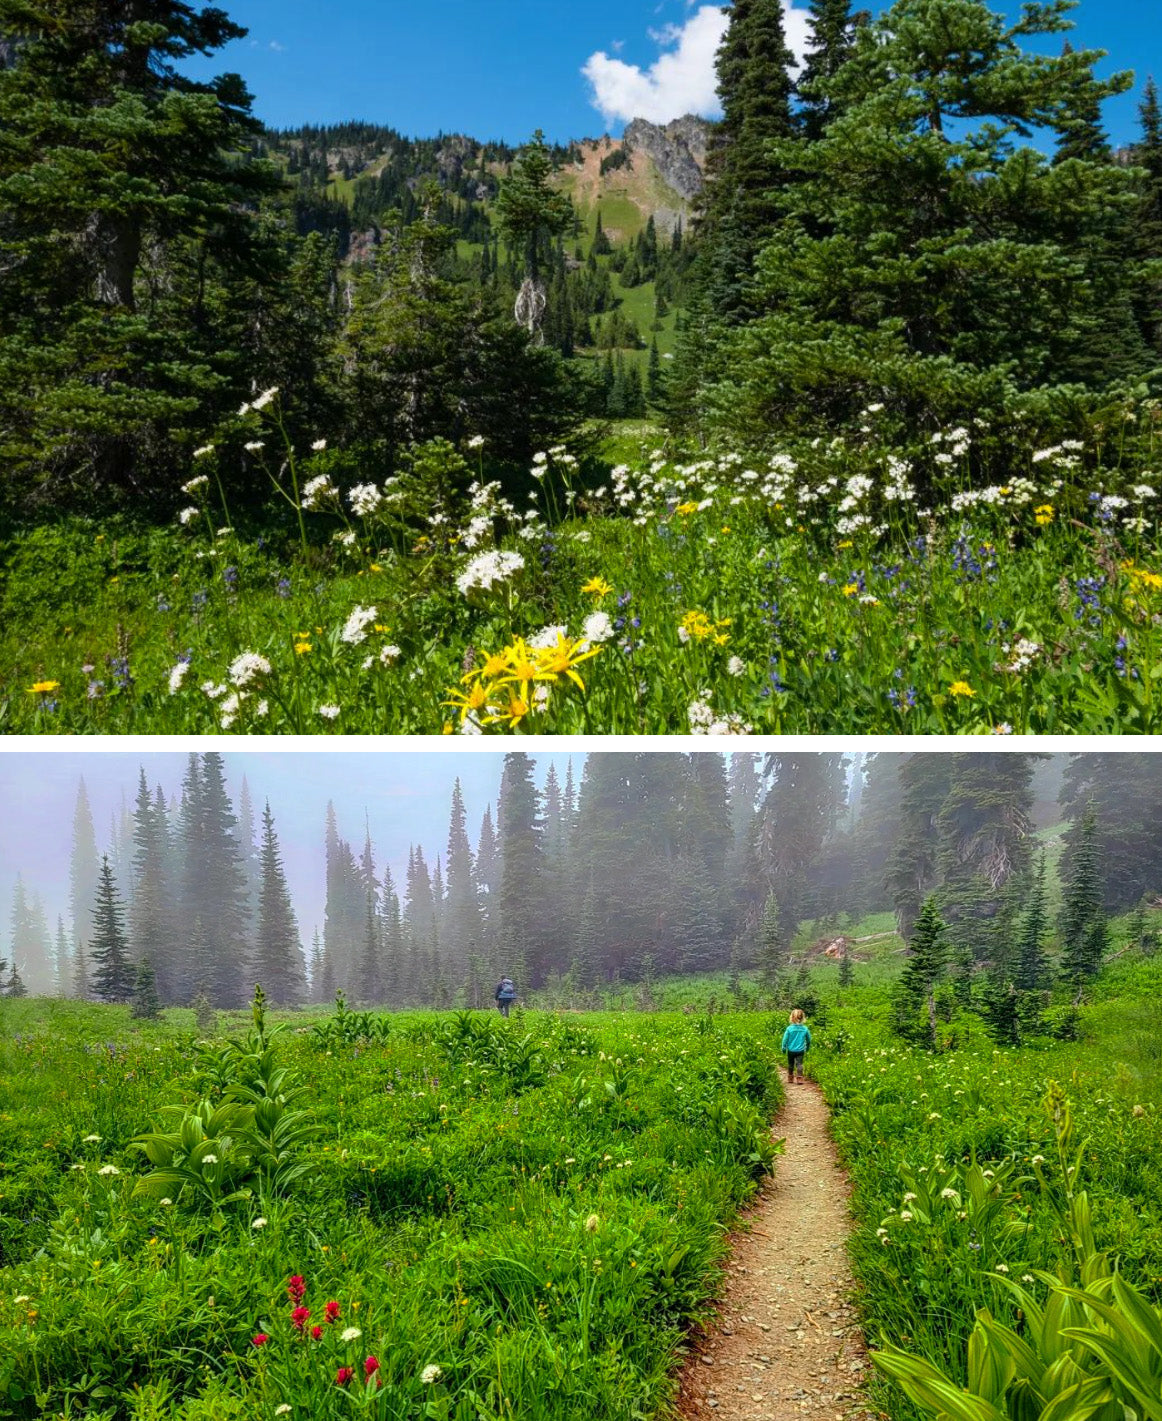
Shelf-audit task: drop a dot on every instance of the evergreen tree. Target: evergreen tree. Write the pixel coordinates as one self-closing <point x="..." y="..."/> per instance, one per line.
<point x="771" y="956"/>
<point x="800" y="806"/>
<point x="911" y="871"/>
<point x="1084" y="931"/>
<point x="83" y="869"/>
<point x="1081" y="134"/>
<point x="832" y="42"/>
<point x="914" y="1000"/>
<point x="151" y="930"/>
<point x="983" y="834"/>
<point x="530" y="213"/>
<point x="521" y="939"/>
<point x="278" y="957"/>
<point x="1032" y="970"/>
<point x="15" y="985"/>
<point x="119" y="177"/>
<point x="145" y="1003"/>
<point x="919" y="253"/>
<point x="755" y="87"/>
<point x="1148" y="220"/>
<point x="113" y="974"/>
<point x="222" y="880"/>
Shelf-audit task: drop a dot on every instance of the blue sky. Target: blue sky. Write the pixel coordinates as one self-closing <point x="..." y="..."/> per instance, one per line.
<point x="501" y="68"/>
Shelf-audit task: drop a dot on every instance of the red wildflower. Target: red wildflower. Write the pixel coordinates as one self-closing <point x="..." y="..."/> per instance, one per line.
<point x="299" y="1317"/>
<point x="316" y="1332"/>
<point x="370" y="1367"/>
<point x="296" y="1288"/>
<point x="343" y="1376"/>
<point x="260" y="1339"/>
<point x="331" y="1312"/>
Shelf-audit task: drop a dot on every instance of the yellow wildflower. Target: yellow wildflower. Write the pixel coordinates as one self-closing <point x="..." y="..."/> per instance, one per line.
<point x="302" y="648"/>
<point x="961" y="688"/>
<point x="685" y="509"/>
<point x="847" y="543"/>
<point x="561" y="659"/>
<point x="598" y="586"/>
<point x="469" y="701"/>
<point x="513" y="713"/>
<point x="851" y="590"/>
<point x="42" y="688"/>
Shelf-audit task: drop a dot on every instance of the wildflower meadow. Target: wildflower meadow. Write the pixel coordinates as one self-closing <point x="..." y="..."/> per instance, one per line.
<point x="857" y="585"/>
<point x="452" y="1215"/>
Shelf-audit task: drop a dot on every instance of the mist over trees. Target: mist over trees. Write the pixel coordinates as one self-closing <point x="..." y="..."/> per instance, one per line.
<point x="627" y="867"/>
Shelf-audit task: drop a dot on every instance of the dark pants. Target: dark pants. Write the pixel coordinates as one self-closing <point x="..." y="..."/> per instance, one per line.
<point x="504" y="1003"/>
<point x="794" y="1063"/>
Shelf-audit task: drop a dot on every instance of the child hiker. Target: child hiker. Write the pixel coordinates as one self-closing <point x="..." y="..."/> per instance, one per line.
<point x="796" y="1043"/>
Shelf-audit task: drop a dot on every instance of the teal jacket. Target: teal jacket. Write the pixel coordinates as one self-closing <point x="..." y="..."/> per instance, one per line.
<point x="796" y="1037"/>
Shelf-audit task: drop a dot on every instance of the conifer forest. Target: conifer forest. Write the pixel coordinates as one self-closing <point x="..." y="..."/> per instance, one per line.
<point x="838" y="413"/>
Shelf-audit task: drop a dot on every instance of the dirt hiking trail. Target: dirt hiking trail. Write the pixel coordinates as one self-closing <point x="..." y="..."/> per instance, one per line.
<point x="786" y="1342"/>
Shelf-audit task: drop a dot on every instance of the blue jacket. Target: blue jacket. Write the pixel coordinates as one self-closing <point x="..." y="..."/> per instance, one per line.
<point x="796" y="1037"/>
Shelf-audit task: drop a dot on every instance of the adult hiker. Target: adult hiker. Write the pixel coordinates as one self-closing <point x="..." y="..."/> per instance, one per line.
<point x="796" y="1043"/>
<point x="505" y="995"/>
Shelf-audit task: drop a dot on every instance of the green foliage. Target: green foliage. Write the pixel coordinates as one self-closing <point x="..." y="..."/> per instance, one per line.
<point x="350" y="1028"/>
<point x="545" y="1258"/>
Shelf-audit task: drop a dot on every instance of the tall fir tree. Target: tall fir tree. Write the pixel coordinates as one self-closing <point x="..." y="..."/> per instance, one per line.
<point x="84" y="868"/>
<point x="113" y="974"/>
<point x="832" y="41"/>
<point x="914" y="998"/>
<point x="278" y="954"/>
<point x="522" y="939"/>
<point x="1031" y="968"/>
<point x="1084" y="929"/>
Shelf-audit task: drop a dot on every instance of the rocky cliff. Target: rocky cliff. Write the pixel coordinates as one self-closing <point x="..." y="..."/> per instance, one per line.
<point x="678" y="151"/>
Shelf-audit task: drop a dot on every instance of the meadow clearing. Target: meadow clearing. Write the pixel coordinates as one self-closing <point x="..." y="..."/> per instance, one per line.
<point x="854" y="586"/>
<point x="448" y="1215"/>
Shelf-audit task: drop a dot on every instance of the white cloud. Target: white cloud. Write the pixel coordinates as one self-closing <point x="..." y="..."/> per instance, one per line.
<point x="682" y="79"/>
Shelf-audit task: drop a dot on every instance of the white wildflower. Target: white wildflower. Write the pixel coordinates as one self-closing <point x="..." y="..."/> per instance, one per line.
<point x="319" y="445"/>
<point x="318" y="490"/>
<point x="212" y="690"/>
<point x="254" y="446"/>
<point x="194" y="485"/>
<point x="176" y="677"/>
<point x="265" y="398"/>
<point x="187" y="516"/>
<point x="476" y="442"/>
<point x="108" y="1169"/>
<point x="431" y="1374"/>
<point x="329" y="712"/>
<point x="258" y="1224"/>
<point x="350" y="1334"/>
<point x="244" y="668"/>
<point x="547" y="638"/>
<point x="597" y="628"/>
<point x="735" y="666"/>
<point x="209" y="1159"/>
<point x="355" y="628"/>
<point x="487" y="569"/>
<point x="364" y="500"/>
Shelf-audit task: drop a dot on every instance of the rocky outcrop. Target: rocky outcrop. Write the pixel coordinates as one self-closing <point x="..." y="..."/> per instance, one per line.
<point x="678" y="150"/>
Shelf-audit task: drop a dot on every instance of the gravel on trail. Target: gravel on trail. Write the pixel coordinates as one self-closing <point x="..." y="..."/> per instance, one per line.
<point x="786" y="1342"/>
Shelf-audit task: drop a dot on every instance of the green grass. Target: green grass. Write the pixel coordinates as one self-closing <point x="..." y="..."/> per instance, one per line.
<point x="534" y="1207"/>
